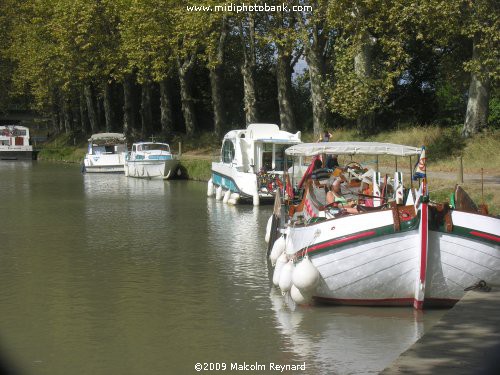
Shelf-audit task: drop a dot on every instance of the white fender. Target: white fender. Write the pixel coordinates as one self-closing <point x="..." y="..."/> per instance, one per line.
<point x="305" y="275"/>
<point x="299" y="297"/>
<point x="233" y="198"/>
<point x="282" y="260"/>
<point x="290" y="247"/>
<point x="218" y="193"/>
<point x="256" y="199"/>
<point x="268" y="228"/>
<point x="277" y="250"/>
<point x="226" y="196"/>
<point x="286" y="277"/>
<point x="210" y="188"/>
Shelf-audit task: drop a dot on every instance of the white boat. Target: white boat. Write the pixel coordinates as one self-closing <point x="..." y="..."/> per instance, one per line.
<point x="387" y="253"/>
<point x="106" y="153"/>
<point x="151" y="160"/>
<point x="251" y="163"/>
<point x="15" y="143"/>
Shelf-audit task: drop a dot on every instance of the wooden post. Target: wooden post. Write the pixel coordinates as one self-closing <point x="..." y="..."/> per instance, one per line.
<point x="411" y="174"/>
<point x="460" y="176"/>
<point x="180" y="148"/>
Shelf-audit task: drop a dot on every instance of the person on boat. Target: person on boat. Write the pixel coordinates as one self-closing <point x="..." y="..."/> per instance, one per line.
<point x="325" y="137"/>
<point x="334" y="195"/>
<point x="332" y="161"/>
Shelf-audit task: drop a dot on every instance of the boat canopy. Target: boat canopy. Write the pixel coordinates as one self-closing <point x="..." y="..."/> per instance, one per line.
<point x="106" y="137"/>
<point x="352" y="148"/>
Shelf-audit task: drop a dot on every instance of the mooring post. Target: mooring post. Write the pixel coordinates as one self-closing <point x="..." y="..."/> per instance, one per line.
<point x="460" y="170"/>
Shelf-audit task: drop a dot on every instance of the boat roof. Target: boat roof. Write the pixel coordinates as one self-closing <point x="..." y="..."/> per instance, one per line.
<point x="107" y="137"/>
<point x="151" y="143"/>
<point x="13" y="126"/>
<point x="266" y="133"/>
<point x="352" y="148"/>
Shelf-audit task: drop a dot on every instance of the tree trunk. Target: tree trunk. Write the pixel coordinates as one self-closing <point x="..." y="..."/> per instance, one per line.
<point x="216" y="76"/>
<point x="248" y="70"/>
<point x="250" y="99"/>
<point x="146" y="114"/>
<point x="216" y="80"/>
<point x="315" y="60"/>
<point x="362" y="66"/>
<point x="166" y="119"/>
<point x="66" y="106"/>
<point x="75" y="112"/>
<point x="476" y="116"/>
<point x="108" y="107"/>
<point x="84" y="115"/>
<point x="284" y="82"/>
<point x="188" y="110"/>
<point x="128" y="107"/>
<point x="91" y="109"/>
<point x="56" y="113"/>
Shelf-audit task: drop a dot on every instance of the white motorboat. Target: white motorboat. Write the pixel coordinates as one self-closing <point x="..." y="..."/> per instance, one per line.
<point x="15" y="143"/>
<point x="382" y="253"/>
<point x="151" y="160"/>
<point x="251" y="163"/>
<point x="106" y="153"/>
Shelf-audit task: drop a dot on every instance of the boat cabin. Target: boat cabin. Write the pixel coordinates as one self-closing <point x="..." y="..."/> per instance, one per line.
<point x="258" y="148"/>
<point x="13" y="135"/>
<point x="107" y="143"/>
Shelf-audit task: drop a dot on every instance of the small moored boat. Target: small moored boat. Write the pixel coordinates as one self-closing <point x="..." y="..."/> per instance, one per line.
<point x="151" y="160"/>
<point x="15" y="143"/>
<point x="251" y="163"/>
<point x="106" y="153"/>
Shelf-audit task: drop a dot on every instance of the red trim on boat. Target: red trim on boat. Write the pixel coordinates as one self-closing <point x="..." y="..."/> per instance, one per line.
<point x="487" y="236"/>
<point x="423" y="245"/>
<point x="429" y="302"/>
<point x="341" y="240"/>
<point x="367" y="302"/>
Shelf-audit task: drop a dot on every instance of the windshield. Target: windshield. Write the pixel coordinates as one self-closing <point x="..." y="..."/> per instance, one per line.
<point x="155" y="146"/>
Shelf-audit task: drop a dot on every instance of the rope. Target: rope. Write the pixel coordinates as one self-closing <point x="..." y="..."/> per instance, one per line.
<point x="480" y="285"/>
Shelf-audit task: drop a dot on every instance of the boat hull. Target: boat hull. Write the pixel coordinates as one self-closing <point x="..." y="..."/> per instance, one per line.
<point x="18" y="155"/>
<point x="462" y="256"/>
<point x="163" y="169"/>
<point x="113" y="163"/>
<point x="362" y="259"/>
<point x="380" y="272"/>
<point x="243" y="183"/>
<point x="377" y="265"/>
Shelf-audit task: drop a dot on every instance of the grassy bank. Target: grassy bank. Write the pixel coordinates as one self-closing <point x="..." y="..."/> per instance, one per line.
<point x="446" y="151"/>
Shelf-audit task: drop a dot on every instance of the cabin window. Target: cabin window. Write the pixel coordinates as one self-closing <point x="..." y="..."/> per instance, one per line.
<point x="279" y="157"/>
<point x="227" y="151"/>
<point x="133" y="148"/>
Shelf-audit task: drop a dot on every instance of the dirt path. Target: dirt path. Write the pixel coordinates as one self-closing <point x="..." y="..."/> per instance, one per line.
<point x="472" y="178"/>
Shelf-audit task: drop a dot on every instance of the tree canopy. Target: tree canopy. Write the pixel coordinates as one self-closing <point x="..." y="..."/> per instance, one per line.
<point x="148" y="67"/>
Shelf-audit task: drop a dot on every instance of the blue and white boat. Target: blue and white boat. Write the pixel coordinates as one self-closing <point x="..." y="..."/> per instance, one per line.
<point x="251" y="163"/>
<point x="151" y="160"/>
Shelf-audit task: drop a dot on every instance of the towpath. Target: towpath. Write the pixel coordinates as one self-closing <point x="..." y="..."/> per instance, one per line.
<point x="465" y="341"/>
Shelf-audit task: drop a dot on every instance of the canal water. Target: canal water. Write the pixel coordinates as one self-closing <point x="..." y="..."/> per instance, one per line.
<point x="103" y="274"/>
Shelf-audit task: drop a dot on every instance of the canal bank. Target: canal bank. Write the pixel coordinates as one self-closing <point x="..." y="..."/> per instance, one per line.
<point x="466" y="340"/>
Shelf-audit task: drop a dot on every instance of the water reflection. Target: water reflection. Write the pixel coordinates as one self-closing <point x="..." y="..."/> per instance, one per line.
<point x="345" y="340"/>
